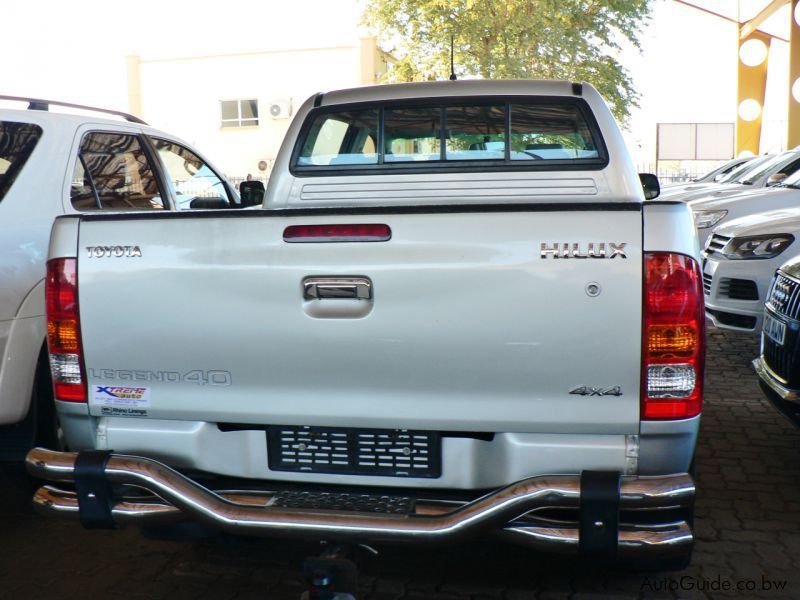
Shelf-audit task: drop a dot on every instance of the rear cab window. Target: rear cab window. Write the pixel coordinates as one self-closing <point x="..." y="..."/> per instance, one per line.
<point x="17" y="141"/>
<point x="446" y="134"/>
<point x="113" y="172"/>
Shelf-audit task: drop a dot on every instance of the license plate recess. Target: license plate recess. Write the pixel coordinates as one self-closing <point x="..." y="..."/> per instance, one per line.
<point x="354" y="451"/>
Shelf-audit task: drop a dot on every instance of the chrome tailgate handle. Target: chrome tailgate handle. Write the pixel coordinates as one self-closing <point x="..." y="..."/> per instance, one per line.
<point x="320" y="288"/>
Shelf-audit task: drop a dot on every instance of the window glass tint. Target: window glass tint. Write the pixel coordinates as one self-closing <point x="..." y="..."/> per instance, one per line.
<point x="791" y="169"/>
<point x="496" y="131"/>
<point x="793" y="179"/>
<point x="344" y="138"/>
<point x="17" y="141"/>
<point x="411" y="134"/>
<point x="751" y="176"/>
<point x="113" y="172"/>
<point x="196" y="185"/>
<point x="782" y="164"/>
<point x="475" y="133"/>
<point x="742" y="170"/>
<point x="550" y="132"/>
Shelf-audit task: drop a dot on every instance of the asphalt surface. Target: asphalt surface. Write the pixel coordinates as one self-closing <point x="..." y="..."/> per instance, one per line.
<point x="747" y="527"/>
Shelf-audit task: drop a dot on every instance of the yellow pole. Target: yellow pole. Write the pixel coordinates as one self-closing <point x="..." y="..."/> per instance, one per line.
<point x="369" y="52"/>
<point x="793" y="132"/>
<point x="751" y="90"/>
<point x="134" y="85"/>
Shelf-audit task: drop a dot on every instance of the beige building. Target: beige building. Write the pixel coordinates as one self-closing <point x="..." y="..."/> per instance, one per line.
<point x="237" y="107"/>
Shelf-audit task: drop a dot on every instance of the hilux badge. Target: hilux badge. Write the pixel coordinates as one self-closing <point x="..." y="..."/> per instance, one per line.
<point x="592" y="250"/>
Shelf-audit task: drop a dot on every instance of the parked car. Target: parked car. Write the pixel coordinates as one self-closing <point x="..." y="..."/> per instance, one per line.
<point x="714" y="175"/>
<point x="53" y="164"/>
<point x="778" y="366"/>
<point x="410" y="320"/>
<point x="691" y="189"/>
<point x="739" y="261"/>
<point x="767" y="174"/>
<point x="724" y="169"/>
<point x="711" y="213"/>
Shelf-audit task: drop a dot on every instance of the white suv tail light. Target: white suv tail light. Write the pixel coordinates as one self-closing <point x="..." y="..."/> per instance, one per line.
<point x="64" y="330"/>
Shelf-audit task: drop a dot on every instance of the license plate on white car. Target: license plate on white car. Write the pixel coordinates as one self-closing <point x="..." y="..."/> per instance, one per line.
<point x="774" y="329"/>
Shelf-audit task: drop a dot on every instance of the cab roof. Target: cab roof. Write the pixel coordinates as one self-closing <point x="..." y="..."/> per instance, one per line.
<point x="444" y="89"/>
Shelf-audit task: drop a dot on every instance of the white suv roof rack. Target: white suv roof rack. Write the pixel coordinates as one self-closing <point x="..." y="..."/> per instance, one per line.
<point x="39" y="104"/>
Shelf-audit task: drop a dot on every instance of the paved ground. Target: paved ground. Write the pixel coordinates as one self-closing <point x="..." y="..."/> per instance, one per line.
<point x="748" y="528"/>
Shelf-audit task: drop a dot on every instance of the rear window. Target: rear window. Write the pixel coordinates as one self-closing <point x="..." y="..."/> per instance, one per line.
<point x="17" y="141"/>
<point x="516" y="134"/>
<point x="342" y="138"/>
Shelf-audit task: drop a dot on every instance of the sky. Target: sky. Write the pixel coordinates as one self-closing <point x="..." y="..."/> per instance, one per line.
<point x="75" y="51"/>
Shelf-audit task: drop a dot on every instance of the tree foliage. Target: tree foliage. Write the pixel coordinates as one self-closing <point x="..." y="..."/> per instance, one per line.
<point x="576" y="40"/>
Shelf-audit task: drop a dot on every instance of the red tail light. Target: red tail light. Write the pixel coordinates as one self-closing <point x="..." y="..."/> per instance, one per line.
<point x="64" y="330"/>
<point x="368" y="232"/>
<point x="673" y="337"/>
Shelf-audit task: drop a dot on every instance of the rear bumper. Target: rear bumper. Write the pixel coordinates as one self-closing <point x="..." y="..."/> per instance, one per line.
<point x="517" y="513"/>
<point x="656" y="448"/>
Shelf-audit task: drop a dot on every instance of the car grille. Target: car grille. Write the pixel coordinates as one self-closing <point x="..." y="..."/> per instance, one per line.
<point x="778" y="358"/>
<point x="738" y="289"/>
<point x="784" y="297"/>
<point x="784" y="300"/>
<point x="707" y="284"/>
<point x="396" y="453"/>
<point x="716" y="243"/>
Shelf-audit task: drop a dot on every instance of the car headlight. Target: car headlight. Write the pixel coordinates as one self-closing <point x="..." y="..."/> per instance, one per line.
<point x="758" y="246"/>
<point x="703" y="219"/>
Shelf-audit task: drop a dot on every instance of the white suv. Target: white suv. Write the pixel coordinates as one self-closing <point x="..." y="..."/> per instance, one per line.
<point x="53" y="164"/>
<point x="739" y="261"/>
<point x="711" y="213"/>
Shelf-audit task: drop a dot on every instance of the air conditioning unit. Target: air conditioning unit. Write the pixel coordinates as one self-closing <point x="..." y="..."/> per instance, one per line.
<point x="279" y="109"/>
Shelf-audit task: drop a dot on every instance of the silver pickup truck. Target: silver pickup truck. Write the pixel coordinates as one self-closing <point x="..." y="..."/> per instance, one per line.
<point x="456" y="316"/>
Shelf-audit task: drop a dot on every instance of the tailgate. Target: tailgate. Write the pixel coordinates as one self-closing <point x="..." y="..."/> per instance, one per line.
<point x="468" y="327"/>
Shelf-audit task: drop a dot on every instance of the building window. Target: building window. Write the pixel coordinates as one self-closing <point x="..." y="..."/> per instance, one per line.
<point x="239" y="113"/>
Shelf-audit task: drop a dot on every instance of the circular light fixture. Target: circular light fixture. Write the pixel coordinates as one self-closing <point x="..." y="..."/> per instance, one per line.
<point x="753" y="52"/>
<point x="746" y="154"/>
<point x="797" y="14"/>
<point x="749" y="110"/>
<point x="796" y="87"/>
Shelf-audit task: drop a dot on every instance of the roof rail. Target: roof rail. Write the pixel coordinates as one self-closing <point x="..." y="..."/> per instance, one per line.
<point x="39" y="104"/>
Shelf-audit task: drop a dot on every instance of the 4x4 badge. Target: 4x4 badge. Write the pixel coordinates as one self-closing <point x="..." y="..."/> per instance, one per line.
<point x="585" y="390"/>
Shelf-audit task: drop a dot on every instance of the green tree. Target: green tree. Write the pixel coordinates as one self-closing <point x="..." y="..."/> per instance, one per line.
<point x="576" y="40"/>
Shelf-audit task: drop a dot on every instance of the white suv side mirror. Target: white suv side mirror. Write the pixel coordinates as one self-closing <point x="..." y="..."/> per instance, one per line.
<point x="776" y="178"/>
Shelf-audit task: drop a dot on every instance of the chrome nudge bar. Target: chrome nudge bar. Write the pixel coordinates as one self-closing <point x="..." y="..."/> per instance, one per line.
<point x="506" y="512"/>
